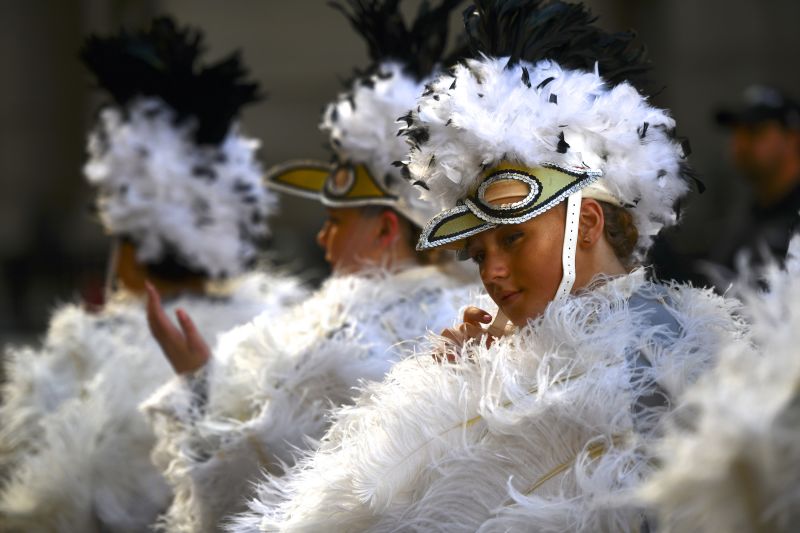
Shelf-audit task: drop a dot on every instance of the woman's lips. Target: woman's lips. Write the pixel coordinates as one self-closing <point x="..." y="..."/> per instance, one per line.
<point x="508" y="297"/>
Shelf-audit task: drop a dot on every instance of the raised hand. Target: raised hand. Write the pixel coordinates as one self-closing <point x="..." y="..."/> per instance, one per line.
<point x="472" y="328"/>
<point x="185" y="348"/>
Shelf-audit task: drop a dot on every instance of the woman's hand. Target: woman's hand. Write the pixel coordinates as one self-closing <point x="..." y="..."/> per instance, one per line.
<point x="185" y="348"/>
<point x="471" y="329"/>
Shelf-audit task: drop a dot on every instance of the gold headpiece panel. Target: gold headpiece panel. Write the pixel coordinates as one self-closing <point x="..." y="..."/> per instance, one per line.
<point x="507" y="194"/>
<point x="342" y="185"/>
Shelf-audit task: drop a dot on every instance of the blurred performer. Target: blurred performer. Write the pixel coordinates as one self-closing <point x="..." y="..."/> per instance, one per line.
<point x="765" y="145"/>
<point x="179" y="188"/>
<point x="556" y="173"/>
<point x="266" y="391"/>
<point x="732" y="461"/>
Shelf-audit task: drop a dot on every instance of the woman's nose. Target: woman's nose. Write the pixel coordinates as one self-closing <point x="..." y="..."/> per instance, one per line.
<point x="495" y="266"/>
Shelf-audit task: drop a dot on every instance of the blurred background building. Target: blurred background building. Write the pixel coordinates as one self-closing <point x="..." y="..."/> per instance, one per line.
<point x="705" y="53"/>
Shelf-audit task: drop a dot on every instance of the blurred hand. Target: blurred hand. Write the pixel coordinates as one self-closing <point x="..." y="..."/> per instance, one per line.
<point x="185" y="348"/>
<point x="471" y="328"/>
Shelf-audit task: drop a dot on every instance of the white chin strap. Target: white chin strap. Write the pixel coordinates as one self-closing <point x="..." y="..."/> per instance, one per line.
<point x="570" y="244"/>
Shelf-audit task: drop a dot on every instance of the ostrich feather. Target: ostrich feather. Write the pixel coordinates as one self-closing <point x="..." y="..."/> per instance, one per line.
<point x="74" y="449"/>
<point x="273" y="382"/>
<point x="473" y="445"/>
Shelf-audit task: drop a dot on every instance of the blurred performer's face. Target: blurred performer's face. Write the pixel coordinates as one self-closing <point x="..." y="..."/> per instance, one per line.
<point x="760" y="150"/>
<point x="351" y="239"/>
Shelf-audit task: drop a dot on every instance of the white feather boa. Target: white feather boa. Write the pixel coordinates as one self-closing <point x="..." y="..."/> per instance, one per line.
<point x="273" y="381"/>
<point x="74" y="449"/>
<point x="732" y="463"/>
<point x="472" y="446"/>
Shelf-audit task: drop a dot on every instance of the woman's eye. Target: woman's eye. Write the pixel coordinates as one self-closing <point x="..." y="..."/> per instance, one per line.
<point x="512" y="238"/>
<point x="477" y="257"/>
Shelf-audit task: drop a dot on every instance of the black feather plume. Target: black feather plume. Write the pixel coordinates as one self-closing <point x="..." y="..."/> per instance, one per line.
<point x="163" y="61"/>
<point x="533" y="30"/>
<point x="420" y="46"/>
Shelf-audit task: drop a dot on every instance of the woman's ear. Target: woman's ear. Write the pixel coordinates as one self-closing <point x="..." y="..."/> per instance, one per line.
<point x="591" y="223"/>
<point x="389" y="228"/>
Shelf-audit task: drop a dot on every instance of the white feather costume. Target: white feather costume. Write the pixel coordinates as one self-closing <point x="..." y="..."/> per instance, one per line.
<point x="551" y="426"/>
<point x="271" y="383"/>
<point x="75" y="449"/>
<point x="542" y="431"/>
<point x="732" y="459"/>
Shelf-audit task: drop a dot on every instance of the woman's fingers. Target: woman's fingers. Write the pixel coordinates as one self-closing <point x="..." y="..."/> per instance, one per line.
<point x="194" y="341"/>
<point x="184" y="348"/>
<point x="455" y="338"/>
<point x="462" y="333"/>
<point x="160" y="325"/>
<point x="454" y="335"/>
<point x="471" y="331"/>
<point x="448" y="350"/>
<point x="474" y="315"/>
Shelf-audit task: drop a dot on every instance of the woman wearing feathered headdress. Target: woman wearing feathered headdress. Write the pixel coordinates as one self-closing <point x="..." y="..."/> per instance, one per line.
<point x="555" y="172"/>
<point x="179" y="189"/>
<point x="266" y="390"/>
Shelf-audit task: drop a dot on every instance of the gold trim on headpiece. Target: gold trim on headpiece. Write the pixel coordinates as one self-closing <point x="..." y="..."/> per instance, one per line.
<point x="342" y="185"/>
<point x="506" y="194"/>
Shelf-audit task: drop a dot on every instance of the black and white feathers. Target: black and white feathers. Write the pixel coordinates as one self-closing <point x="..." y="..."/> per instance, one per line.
<point x="419" y="46"/>
<point x="541" y="430"/>
<point x="74" y="448"/>
<point x="362" y="122"/>
<point x="163" y="62"/>
<point x="173" y="171"/>
<point x="274" y="380"/>
<point x="534" y="30"/>
<point x="525" y="106"/>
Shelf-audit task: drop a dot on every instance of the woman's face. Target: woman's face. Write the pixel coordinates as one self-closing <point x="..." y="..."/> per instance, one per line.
<point x="350" y="239"/>
<point x="520" y="264"/>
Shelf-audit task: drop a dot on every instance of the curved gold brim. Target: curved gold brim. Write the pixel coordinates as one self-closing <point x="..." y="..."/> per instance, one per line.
<point x="449" y="227"/>
<point x="342" y="186"/>
<point x="303" y="178"/>
<point x="549" y="185"/>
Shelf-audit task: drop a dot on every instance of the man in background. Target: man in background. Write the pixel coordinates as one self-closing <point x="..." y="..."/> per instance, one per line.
<point x="765" y="146"/>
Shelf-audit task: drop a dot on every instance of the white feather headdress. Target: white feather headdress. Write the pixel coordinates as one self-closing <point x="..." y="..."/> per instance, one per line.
<point x="174" y="173"/>
<point x="557" y="95"/>
<point x="362" y="122"/>
<point x="362" y="128"/>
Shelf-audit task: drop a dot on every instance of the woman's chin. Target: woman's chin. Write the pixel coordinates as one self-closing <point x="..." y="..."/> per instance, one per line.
<point x="520" y="314"/>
